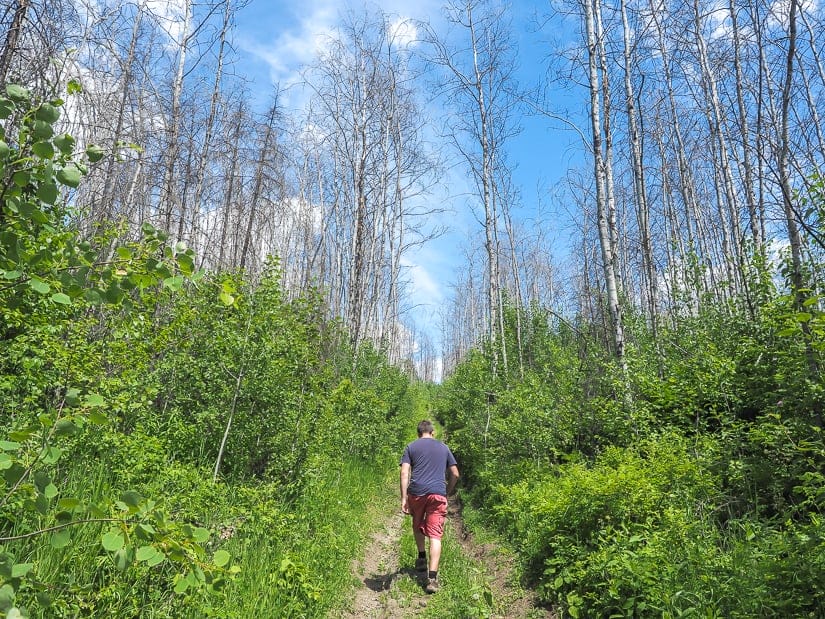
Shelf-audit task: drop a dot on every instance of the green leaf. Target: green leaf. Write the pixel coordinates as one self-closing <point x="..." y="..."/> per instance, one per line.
<point x="14" y="474"/>
<point x="65" y="427"/>
<point x="173" y="283"/>
<point x="6" y="596"/>
<point x="50" y="491"/>
<point x="145" y="553"/>
<point x="94" y="152"/>
<point x="51" y="454"/>
<point x="6" y="108"/>
<point x="42" y="130"/>
<point x="17" y="93"/>
<point x="74" y="87"/>
<point x="41" y="504"/>
<point x="41" y="480"/>
<point x="21" y="178"/>
<point x="158" y="558"/>
<point x="131" y="498"/>
<point x="113" y="540"/>
<point x="11" y="274"/>
<point x="47" y="113"/>
<point x="221" y="558"/>
<point x="68" y="503"/>
<point x="226" y="298"/>
<point x="97" y="418"/>
<point x="121" y="559"/>
<point x="21" y="569"/>
<point x="72" y="396"/>
<point x="181" y="584"/>
<point x="200" y="535"/>
<point x="38" y="285"/>
<point x="65" y="143"/>
<point x="43" y="598"/>
<point x="48" y="193"/>
<point x="60" y="539"/>
<point x="44" y="150"/>
<point x="14" y="613"/>
<point x="94" y="399"/>
<point x="69" y="175"/>
<point x="61" y="298"/>
<point x="92" y="296"/>
<point x="9" y="445"/>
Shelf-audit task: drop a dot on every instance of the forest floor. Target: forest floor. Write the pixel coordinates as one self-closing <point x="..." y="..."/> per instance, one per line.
<point x="478" y="577"/>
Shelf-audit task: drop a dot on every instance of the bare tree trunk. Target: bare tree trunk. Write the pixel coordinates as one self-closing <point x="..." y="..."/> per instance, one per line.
<point x="12" y="36"/>
<point x="639" y="188"/>
<point x="794" y="237"/>
<point x="109" y="180"/>
<point x="729" y="214"/>
<point x="230" y="186"/>
<point x="174" y="121"/>
<point x="210" y="124"/>
<point x="756" y="225"/>
<point x="696" y="241"/>
<point x="263" y="157"/>
<point x="599" y="170"/>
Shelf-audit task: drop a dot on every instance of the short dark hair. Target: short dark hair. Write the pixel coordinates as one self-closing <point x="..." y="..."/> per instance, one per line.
<point x="425" y="427"/>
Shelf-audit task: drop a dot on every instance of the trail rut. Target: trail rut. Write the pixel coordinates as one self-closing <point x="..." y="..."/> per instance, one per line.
<point x="382" y="594"/>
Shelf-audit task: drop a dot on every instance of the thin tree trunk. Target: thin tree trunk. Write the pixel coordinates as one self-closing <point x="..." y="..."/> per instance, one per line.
<point x="12" y="37"/>
<point x="602" y="208"/>
<point x="259" y="180"/>
<point x="756" y="225"/>
<point x="210" y="122"/>
<point x="174" y="122"/>
<point x="639" y="188"/>
<point x="794" y="236"/>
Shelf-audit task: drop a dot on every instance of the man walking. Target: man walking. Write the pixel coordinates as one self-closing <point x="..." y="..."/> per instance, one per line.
<point x="429" y="473"/>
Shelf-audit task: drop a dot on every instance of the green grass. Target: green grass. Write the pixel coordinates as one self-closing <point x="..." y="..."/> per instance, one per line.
<point x="305" y="570"/>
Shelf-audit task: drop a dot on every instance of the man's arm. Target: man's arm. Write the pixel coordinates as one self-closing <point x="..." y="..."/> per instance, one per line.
<point x="452" y="478"/>
<point x="405" y="482"/>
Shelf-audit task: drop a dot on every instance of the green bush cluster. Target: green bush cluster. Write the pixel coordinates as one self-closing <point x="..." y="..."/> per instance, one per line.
<point x="162" y="428"/>
<point x="689" y="485"/>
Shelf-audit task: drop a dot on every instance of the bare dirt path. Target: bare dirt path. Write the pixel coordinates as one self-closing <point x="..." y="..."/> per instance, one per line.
<point x="389" y="591"/>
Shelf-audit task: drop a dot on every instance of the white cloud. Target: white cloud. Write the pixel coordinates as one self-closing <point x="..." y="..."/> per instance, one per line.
<point x="403" y="32"/>
<point x="780" y="11"/>
<point x="424" y="288"/>
<point x="169" y="15"/>
<point x="289" y="51"/>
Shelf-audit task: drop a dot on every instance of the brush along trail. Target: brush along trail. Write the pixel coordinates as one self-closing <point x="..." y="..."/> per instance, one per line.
<point x="477" y="578"/>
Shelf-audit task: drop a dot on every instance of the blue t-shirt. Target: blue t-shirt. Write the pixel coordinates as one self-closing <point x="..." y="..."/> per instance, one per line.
<point x="429" y="460"/>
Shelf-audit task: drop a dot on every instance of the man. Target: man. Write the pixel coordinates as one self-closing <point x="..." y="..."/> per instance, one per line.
<point x="429" y="473"/>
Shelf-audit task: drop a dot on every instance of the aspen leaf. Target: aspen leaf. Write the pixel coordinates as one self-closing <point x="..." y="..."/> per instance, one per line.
<point x="113" y="540"/>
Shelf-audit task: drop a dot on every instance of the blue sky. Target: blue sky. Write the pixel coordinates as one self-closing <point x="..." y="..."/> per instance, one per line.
<point x="275" y="38"/>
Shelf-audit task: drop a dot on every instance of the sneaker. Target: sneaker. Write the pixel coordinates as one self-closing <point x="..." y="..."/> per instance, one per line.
<point x="432" y="585"/>
<point x="421" y="564"/>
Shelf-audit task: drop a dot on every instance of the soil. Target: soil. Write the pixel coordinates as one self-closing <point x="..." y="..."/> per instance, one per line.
<point x="379" y="596"/>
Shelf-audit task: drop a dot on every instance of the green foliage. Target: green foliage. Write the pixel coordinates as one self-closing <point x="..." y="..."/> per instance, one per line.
<point x="121" y="370"/>
<point x="689" y="485"/>
<point x="50" y="374"/>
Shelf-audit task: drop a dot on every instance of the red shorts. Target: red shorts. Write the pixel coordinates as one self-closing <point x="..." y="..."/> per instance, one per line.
<point x="428" y="514"/>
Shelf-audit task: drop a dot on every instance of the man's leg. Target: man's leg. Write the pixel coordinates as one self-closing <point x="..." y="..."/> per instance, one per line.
<point x="435" y="553"/>
<point x="419" y="539"/>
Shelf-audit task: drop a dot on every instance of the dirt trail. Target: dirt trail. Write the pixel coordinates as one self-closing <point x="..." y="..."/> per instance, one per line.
<point x="383" y="594"/>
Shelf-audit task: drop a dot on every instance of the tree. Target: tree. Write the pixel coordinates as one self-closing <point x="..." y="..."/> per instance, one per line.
<point x="478" y="84"/>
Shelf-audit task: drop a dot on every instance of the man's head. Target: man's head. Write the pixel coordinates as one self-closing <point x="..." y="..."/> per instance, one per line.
<point x="425" y="427"/>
